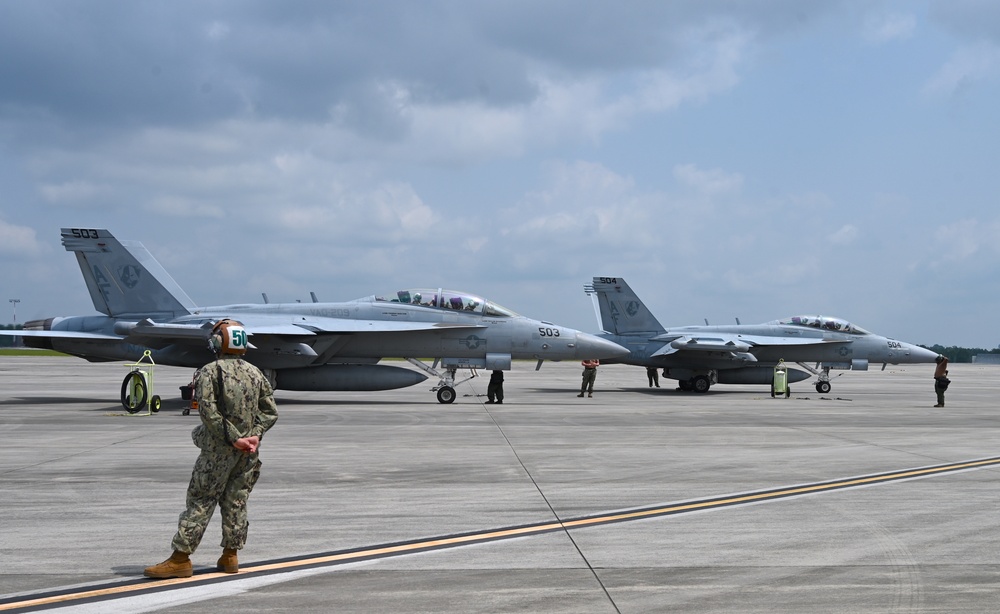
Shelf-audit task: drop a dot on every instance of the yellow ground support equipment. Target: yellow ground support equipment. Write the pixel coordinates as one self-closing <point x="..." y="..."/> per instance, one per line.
<point x="779" y="386"/>
<point x="137" y="388"/>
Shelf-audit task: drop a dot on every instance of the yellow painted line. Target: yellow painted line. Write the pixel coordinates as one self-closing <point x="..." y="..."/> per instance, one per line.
<point x="780" y="493"/>
<point x="141" y="586"/>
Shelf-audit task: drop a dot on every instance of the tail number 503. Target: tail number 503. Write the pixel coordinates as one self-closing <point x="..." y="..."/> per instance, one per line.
<point x="548" y="332"/>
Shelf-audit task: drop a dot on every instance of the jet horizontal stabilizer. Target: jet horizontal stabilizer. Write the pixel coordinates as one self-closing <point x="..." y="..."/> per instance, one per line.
<point x="147" y="329"/>
<point x="666" y="350"/>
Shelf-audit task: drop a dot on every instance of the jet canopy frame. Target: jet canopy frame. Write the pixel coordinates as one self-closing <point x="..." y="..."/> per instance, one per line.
<point x="837" y="325"/>
<point x="453" y="300"/>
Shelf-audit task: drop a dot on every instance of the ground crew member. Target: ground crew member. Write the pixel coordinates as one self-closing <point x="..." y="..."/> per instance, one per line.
<point x="236" y="404"/>
<point x="941" y="380"/>
<point x="589" y="376"/>
<point x="495" y="388"/>
<point x="653" y="377"/>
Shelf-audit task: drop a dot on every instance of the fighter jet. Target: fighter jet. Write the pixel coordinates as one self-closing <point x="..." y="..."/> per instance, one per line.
<point x="299" y="346"/>
<point x="702" y="356"/>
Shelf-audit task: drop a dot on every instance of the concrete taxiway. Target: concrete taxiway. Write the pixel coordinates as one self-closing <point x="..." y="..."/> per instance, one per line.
<point x="866" y="499"/>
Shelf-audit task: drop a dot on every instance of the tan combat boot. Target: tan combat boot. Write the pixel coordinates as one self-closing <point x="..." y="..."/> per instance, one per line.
<point x="228" y="562"/>
<point x="177" y="566"/>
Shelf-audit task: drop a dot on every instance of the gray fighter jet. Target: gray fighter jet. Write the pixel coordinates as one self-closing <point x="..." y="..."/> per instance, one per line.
<point x="701" y="356"/>
<point x="299" y="346"/>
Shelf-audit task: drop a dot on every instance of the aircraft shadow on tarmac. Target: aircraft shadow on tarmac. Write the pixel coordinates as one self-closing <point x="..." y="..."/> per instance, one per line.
<point x="105" y="406"/>
<point x="36" y="400"/>
<point x="648" y="391"/>
<point x="353" y="402"/>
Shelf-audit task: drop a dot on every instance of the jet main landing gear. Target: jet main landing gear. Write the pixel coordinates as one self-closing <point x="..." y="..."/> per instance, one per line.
<point x="699" y="383"/>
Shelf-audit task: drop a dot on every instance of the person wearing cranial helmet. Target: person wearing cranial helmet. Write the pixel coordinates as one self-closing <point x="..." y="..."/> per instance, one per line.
<point x="228" y="337"/>
<point x="236" y="405"/>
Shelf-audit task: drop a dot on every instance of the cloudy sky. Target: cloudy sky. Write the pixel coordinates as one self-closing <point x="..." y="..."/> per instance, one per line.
<point x="729" y="159"/>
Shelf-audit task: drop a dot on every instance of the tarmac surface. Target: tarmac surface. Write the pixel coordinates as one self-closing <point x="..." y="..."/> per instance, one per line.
<point x="865" y="499"/>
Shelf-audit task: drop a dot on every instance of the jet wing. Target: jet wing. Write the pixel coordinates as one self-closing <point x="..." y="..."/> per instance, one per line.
<point x="303" y="337"/>
<point x="278" y="326"/>
<point x="724" y="342"/>
<point x="58" y="334"/>
<point x="338" y="326"/>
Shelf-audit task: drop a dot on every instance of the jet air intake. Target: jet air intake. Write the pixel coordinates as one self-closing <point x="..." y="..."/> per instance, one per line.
<point x="492" y="362"/>
<point x="857" y="364"/>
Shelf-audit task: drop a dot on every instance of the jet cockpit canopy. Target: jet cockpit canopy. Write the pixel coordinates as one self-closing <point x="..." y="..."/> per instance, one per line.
<point x="449" y="299"/>
<point x="837" y="325"/>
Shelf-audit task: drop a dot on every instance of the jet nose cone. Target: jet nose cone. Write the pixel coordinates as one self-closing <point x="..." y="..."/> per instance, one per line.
<point x="919" y="354"/>
<point x="591" y="346"/>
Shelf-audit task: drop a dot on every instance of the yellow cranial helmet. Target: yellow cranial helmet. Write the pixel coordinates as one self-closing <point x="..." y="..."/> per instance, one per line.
<point x="228" y="337"/>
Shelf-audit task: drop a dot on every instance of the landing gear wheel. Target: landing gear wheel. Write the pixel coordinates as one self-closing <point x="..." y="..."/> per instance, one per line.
<point x="701" y="384"/>
<point x="822" y="387"/>
<point x="446" y="394"/>
<point x="134" y="392"/>
<point x="154" y="403"/>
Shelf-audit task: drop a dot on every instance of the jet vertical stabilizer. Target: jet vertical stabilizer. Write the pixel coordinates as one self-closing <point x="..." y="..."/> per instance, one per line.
<point x="621" y="311"/>
<point x="123" y="277"/>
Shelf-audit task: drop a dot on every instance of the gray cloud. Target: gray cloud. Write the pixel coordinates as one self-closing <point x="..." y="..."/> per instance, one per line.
<point x="727" y="156"/>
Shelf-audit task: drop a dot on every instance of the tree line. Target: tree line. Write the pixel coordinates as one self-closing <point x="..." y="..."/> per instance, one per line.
<point x="959" y="354"/>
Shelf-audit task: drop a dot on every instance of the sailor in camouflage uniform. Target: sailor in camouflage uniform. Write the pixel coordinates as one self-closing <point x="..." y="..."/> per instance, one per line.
<point x="237" y="407"/>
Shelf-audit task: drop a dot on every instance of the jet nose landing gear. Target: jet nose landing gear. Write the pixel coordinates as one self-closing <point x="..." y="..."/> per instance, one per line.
<point x="446" y="394"/>
<point x="446" y="386"/>
<point x="823" y="383"/>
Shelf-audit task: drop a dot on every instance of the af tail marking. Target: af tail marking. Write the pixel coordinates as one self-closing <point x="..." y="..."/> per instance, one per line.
<point x="621" y="311"/>
<point x="123" y="277"/>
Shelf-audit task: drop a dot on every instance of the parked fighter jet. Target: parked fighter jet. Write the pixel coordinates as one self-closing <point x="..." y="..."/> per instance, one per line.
<point x="300" y="346"/>
<point x="701" y="356"/>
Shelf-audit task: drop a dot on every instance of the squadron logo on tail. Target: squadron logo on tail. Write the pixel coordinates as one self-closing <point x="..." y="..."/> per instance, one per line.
<point x="129" y="276"/>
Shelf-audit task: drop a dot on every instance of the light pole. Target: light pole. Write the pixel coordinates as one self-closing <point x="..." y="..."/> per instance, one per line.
<point x="14" y="302"/>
